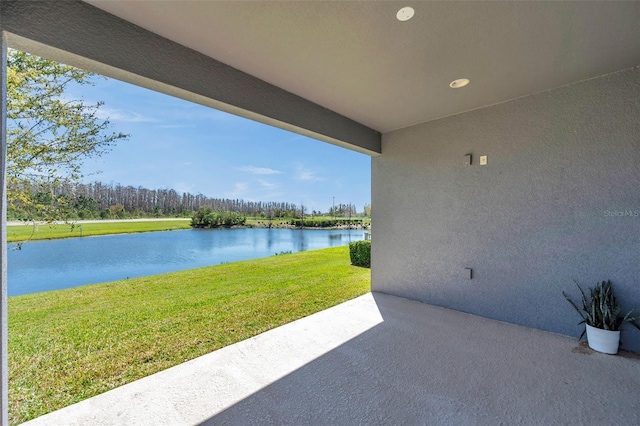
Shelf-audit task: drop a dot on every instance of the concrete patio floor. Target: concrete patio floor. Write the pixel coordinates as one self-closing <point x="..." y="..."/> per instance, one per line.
<point x="381" y="359"/>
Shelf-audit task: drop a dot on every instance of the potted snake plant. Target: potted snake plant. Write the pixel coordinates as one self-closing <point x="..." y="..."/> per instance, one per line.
<point x="600" y="313"/>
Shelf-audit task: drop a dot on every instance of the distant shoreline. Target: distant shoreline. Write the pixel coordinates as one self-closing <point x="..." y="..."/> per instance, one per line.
<point x="148" y="219"/>
<point x="260" y="224"/>
<point x="288" y="226"/>
<point x="19" y="232"/>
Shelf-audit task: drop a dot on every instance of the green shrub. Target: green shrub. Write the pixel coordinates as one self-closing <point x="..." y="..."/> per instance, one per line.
<point x="360" y="252"/>
<point x="205" y="217"/>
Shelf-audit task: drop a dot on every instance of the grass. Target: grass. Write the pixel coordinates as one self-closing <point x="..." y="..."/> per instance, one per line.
<point x="68" y="345"/>
<point x="18" y="233"/>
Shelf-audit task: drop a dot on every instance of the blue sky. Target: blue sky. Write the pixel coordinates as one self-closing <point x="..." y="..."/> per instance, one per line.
<point x="191" y="148"/>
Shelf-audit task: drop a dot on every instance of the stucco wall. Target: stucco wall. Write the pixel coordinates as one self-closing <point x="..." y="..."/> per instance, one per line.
<point x="545" y="210"/>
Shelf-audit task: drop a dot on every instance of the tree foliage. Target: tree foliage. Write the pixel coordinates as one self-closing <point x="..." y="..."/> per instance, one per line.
<point x="343" y="210"/>
<point x="94" y="201"/>
<point x="49" y="134"/>
<point x="206" y="217"/>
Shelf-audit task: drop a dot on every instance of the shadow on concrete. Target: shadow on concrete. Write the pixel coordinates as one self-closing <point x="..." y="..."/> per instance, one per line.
<point x="429" y="365"/>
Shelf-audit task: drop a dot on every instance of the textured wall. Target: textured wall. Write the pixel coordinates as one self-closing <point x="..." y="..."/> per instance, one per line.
<point x="563" y="167"/>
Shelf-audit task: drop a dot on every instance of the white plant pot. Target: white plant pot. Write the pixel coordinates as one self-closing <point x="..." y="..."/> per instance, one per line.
<point x="605" y="341"/>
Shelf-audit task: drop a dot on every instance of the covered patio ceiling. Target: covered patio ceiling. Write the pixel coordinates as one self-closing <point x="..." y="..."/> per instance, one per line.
<point x="357" y="59"/>
<point x="340" y="72"/>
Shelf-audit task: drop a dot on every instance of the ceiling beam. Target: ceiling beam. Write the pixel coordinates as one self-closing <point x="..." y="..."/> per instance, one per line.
<point x="76" y="33"/>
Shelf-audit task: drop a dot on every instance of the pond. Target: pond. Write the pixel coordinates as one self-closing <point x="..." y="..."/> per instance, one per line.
<point x="57" y="264"/>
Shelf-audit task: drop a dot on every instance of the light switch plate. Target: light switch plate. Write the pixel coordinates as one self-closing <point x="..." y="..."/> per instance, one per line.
<point x="483" y="160"/>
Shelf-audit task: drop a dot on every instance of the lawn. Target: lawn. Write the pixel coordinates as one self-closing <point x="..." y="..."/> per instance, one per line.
<point x="18" y="233"/>
<point x="68" y="345"/>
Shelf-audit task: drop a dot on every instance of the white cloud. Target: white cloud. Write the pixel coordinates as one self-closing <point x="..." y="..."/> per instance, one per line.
<point x="307" y="175"/>
<point x="259" y="170"/>
<point x="267" y="185"/>
<point x="122" y="115"/>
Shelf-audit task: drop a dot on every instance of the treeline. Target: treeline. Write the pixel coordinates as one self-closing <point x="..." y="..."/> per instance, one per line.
<point x="103" y="201"/>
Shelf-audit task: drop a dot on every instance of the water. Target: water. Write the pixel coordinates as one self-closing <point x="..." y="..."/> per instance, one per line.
<point x="57" y="264"/>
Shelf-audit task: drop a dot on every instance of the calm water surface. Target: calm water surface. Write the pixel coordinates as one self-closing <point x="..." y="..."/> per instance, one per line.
<point x="57" y="264"/>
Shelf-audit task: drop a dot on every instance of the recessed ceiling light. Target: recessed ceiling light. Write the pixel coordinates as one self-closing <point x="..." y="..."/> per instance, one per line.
<point x="405" y="13"/>
<point x="461" y="82"/>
